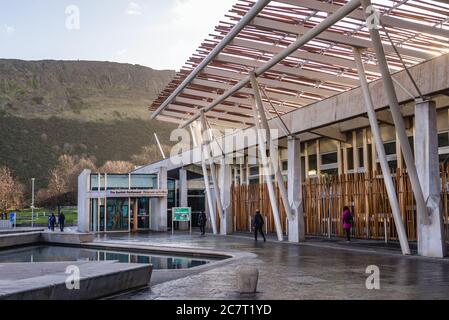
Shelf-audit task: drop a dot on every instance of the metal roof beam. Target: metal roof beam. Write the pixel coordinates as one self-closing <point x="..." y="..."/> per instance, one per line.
<point x="320" y="58"/>
<point x="335" y="37"/>
<point x="273" y="83"/>
<point x="271" y="95"/>
<point x="251" y="14"/>
<point x="314" y="75"/>
<point x="358" y="14"/>
<point x="220" y="122"/>
<point x="302" y="40"/>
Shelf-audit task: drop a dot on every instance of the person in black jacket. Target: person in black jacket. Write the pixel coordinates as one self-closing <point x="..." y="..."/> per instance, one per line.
<point x="202" y="219"/>
<point x="61" y="221"/>
<point x="258" y="224"/>
<point x="52" y="222"/>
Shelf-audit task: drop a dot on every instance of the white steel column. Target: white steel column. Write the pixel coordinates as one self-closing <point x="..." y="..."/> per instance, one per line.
<point x="382" y="155"/>
<point x="271" y="146"/>
<point x="430" y="236"/>
<point x="296" y="227"/>
<point x="266" y="172"/>
<point x="213" y="170"/>
<point x="397" y="116"/>
<point x="210" y="201"/>
<point x="225" y="180"/>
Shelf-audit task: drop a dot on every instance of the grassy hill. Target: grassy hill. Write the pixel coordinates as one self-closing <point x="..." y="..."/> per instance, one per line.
<point x="90" y="109"/>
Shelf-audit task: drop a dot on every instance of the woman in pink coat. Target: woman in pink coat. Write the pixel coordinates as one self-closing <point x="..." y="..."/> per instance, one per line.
<point x="347" y="222"/>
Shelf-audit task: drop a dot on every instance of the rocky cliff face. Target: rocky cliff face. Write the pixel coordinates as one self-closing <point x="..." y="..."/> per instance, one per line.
<point x="88" y="109"/>
<point x="46" y="88"/>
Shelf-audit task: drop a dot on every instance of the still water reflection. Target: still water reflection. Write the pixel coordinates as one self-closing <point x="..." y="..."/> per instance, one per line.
<point x="56" y="253"/>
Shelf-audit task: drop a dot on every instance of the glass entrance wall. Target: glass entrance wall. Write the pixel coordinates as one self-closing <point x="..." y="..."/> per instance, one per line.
<point x="117" y="214"/>
<point x="108" y="213"/>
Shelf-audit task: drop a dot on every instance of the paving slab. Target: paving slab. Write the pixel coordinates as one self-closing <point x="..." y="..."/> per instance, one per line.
<point x="293" y="271"/>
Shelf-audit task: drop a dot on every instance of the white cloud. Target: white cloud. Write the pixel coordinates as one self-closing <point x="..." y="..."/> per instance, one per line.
<point x="134" y="9"/>
<point x="181" y="31"/>
<point x="7" y="29"/>
<point x="121" y="53"/>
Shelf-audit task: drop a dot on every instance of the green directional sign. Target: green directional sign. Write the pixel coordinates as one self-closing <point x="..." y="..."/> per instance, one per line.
<point x="181" y="214"/>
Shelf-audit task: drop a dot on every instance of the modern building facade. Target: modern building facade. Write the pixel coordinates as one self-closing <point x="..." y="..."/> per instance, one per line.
<point x="357" y="92"/>
<point x="121" y="202"/>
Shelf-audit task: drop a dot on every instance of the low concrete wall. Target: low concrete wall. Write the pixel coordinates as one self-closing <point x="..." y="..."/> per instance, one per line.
<point x="67" y="238"/>
<point x="47" y="281"/>
<point x="29" y="238"/>
<point x="19" y="239"/>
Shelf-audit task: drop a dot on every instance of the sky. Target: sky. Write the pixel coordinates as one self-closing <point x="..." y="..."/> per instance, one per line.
<point x="161" y="34"/>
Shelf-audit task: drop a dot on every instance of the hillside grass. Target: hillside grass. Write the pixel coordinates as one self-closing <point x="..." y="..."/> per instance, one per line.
<point x="31" y="147"/>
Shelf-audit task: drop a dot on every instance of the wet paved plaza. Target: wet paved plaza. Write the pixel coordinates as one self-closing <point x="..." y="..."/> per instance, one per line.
<point x="315" y="270"/>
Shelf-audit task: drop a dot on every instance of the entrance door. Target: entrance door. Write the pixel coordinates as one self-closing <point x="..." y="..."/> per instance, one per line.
<point x="143" y="213"/>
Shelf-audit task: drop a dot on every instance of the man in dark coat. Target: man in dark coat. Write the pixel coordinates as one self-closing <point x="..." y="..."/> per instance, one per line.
<point x="258" y="225"/>
<point x="61" y="221"/>
<point x="52" y="222"/>
<point x="202" y="219"/>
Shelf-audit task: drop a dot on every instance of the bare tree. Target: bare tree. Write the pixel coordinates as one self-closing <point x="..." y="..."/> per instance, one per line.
<point x="63" y="182"/>
<point x="117" y="167"/>
<point x="11" y="192"/>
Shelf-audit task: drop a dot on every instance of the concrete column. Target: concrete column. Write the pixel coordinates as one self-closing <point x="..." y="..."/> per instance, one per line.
<point x="355" y="152"/>
<point x="183" y="195"/>
<point x="306" y="160"/>
<point x="318" y="158"/>
<point x="373" y="155"/>
<point x="339" y="158"/>
<point x="225" y="181"/>
<point x="365" y="151"/>
<point x="84" y="201"/>
<point x="431" y="235"/>
<point x="296" y="227"/>
<point x="159" y="214"/>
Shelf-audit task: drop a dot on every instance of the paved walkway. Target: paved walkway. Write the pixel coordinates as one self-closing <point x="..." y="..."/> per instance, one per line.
<point x="291" y="271"/>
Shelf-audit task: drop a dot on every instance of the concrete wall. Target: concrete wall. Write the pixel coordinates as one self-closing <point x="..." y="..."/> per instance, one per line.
<point x="84" y="201"/>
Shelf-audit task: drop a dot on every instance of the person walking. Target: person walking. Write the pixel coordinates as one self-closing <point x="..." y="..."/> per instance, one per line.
<point x="202" y="219"/>
<point x="258" y="224"/>
<point x="49" y="222"/>
<point x="61" y="221"/>
<point x="52" y="222"/>
<point x="347" y="222"/>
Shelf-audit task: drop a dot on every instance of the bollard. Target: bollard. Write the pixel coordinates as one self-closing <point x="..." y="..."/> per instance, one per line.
<point x="247" y="279"/>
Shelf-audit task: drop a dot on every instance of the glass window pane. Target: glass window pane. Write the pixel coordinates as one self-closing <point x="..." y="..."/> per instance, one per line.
<point x="443" y="140"/>
<point x="117" y="181"/>
<point x="117" y="214"/>
<point x="390" y="148"/>
<point x="171" y="184"/>
<point x="94" y="182"/>
<point x="329" y="158"/>
<point x="94" y="215"/>
<point x="253" y="171"/>
<point x="350" y="158"/>
<point x="143" y="181"/>
<point x="361" y="158"/>
<point x="312" y="162"/>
